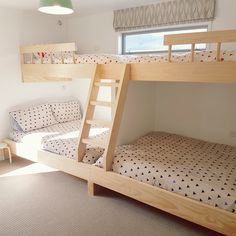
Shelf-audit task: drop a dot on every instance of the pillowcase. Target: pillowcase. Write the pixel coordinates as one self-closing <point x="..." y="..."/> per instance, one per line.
<point x="66" y="111"/>
<point x="14" y="125"/>
<point x="35" y="117"/>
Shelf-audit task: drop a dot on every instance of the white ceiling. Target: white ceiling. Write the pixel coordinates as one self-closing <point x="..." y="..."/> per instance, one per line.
<point x="82" y="7"/>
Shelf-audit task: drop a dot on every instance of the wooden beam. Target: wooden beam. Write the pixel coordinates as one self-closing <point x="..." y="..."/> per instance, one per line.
<point x="59" y="47"/>
<point x="225" y="36"/>
<point x="197" y="72"/>
<point x="205" y="215"/>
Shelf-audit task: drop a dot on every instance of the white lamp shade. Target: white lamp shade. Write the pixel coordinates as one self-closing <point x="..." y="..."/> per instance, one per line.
<point x="56" y="7"/>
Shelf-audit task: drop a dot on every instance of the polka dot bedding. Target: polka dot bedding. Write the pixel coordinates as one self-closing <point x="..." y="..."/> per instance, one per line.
<point x="193" y="168"/>
<point x="66" y="111"/>
<point x="202" y="56"/>
<point x="61" y="139"/>
<point x="33" y="118"/>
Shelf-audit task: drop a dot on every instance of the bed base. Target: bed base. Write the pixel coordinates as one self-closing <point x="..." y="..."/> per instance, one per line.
<point x="202" y="214"/>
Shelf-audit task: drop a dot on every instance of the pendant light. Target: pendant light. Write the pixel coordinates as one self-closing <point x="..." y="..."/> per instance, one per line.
<point x="56" y="7"/>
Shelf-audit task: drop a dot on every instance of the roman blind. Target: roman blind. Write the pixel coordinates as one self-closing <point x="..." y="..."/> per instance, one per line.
<point x="164" y="13"/>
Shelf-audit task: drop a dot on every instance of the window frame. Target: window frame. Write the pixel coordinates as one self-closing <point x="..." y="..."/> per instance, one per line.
<point x="123" y="37"/>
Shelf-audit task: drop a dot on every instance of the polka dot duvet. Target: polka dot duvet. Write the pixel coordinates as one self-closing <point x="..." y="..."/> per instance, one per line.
<point x="193" y="168"/>
<point x="62" y="139"/>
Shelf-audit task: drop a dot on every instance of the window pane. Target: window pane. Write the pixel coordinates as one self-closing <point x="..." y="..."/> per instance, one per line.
<point x="153" y="41"/>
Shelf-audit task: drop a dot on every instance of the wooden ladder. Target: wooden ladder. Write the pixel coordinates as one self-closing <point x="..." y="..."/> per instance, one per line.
<point x="120" y="81"/>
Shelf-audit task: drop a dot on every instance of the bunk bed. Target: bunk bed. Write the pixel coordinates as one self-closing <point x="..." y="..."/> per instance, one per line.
<point x="116" y="73"/>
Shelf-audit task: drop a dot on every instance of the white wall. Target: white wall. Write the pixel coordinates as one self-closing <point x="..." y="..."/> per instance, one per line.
<point x="204" y="111"/>
<point x="95" y="34"/>
<point x="22" y="28"/>
<point x="197" y="110"/>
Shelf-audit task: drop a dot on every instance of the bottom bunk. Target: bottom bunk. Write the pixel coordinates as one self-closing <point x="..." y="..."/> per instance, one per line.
<point x="192" y="179"/>
<point x="189" y="178"/>
<point x="193" y="168"/>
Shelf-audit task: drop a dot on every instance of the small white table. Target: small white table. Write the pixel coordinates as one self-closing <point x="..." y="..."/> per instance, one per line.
<point x="4" y="146"/>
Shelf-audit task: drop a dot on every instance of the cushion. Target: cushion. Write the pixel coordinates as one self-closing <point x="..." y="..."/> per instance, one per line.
<point x="66" y="111"/>
<point x="35" y="117"/>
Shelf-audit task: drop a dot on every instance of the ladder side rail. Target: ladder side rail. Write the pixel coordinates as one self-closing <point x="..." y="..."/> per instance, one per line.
<point x="88" y="113"/>
<point x="117" y="117"/>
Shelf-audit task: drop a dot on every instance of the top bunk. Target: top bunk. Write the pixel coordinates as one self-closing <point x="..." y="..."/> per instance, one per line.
<point x="60" y="62"/>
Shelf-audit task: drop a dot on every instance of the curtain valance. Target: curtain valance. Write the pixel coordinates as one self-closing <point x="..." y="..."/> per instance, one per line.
<point x="164" y="13"/>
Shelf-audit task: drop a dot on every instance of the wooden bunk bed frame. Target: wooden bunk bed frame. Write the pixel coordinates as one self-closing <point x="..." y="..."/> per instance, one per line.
<point x="204" y="72"/>
<point x="210" y="72"/>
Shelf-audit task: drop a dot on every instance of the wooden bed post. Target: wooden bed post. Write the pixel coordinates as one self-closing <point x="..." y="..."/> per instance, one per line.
<point x="169" y="53"/>
<point x="94" y="189"/>
<point x="218" y="51"/>
<point x="192" y="52"/>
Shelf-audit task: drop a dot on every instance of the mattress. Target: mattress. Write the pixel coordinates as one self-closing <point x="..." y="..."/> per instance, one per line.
<point x="62" y="139"/>
<point x="192" y="168"/>
<point x="68" y="58"/>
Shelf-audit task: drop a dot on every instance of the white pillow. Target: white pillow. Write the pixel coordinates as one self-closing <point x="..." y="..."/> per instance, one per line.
<point x="35" y="117"/>
<point x="66" y="111"/>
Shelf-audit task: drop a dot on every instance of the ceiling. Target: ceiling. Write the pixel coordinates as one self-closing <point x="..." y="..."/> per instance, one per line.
<point x="82" y="7"/>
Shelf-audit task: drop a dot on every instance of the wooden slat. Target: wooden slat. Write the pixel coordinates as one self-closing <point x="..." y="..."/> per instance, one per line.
<point x="100" y="123"/>
<point x="39" y="73"/>
<point x="203" y="72"/>
<point x="43" y="79"/>
<point x="204" y="37"/>
<point x="111" y="71"/>
<point x="101" y="103"/>
<point x="192" y="52"/>
<point x="169" y="53"/>
<point x="218" y="51"/>
<point x="93" y="142"/>
<point x="211" y="217"/>
<point x="106" y="84"/>
<point x="59" y="47"/>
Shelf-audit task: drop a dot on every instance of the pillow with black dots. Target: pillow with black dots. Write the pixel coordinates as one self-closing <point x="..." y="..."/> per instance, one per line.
<point x="66" y="111"/>
<point x="35" y="117"/>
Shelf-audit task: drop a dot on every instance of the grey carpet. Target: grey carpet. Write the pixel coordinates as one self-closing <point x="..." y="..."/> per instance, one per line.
<point x="57" y="204"/>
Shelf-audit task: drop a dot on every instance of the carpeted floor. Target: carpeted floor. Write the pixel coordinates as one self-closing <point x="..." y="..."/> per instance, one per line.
<point x="55" y="203"/>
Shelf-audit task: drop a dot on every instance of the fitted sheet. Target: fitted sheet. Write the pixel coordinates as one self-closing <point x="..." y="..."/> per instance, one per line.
<point x="62" y="139"/>
<point x="68" y="58"/>
<point x="193" y="168"/>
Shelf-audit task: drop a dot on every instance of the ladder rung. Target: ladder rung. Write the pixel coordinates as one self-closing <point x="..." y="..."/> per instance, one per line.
<point x="105" y="84"/>
<point x="103" y="104"/>
<point x="93" y="142"/>
<point x="100" y="123"/>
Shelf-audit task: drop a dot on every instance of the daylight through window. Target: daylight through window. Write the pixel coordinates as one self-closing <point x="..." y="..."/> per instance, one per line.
<point x="152" y="41"/>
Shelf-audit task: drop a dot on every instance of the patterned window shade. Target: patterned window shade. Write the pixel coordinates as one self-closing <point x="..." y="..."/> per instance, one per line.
<point x="164" y="13"/>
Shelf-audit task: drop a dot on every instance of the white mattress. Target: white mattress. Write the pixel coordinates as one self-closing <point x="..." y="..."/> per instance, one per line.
<point x="202" y="56"/>
<point x="61" y="139"/>
<point x="193" y="168"/>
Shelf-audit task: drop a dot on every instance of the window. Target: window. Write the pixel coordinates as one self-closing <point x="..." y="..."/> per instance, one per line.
<point x="152" y="41"/>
